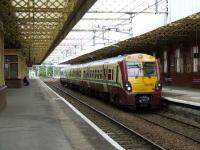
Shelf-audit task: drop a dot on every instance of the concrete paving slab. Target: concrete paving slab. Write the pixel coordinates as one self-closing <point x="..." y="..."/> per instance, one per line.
<point x="33" y="120"/>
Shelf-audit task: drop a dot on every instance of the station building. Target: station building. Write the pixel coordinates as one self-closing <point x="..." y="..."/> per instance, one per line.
<point x="29" y="31"/>
<point x="37" y="117"/>
<point x="176" y="44"/>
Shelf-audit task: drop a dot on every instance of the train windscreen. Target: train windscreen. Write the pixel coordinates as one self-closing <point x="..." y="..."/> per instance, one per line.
<point x="134" y="69"/>
<point x="149" y="68"/>
<point x="138" y="69"/>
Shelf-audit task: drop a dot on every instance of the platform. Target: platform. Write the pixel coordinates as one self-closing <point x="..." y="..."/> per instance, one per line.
<point x="184" y="95"/>
<point x="36" y="119"/>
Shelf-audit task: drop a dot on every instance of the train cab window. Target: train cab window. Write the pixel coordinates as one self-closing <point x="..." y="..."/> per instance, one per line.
<point x="149" y="68"/>
<point x="134" y="69"/>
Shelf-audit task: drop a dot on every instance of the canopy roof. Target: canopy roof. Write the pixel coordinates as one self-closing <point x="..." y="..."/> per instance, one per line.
<point x="37" y="26"/>
<point x="184" y="29"/>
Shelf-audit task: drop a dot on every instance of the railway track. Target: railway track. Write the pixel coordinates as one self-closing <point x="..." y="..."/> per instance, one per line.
<point x="173" y="125"/>
<point x="126" y="137"/>
<point x="162" y="115"/>
<point x="160" y="135"/>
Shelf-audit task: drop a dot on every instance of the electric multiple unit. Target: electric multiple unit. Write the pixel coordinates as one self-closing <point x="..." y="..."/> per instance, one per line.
<point x="131" y="80"/>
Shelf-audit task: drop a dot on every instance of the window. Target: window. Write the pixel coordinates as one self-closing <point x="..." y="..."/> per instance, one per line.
<point x="11" y="66"/>
<point x="110" y="74"/>
<point x="90" y="73"/>
<point x="101" y="74"/>
<point x="93" y="74"/>
<point x="149" y="68"/>
<point x="179" y="61"/>
<point x="98" y="74"/>
<point x="195" y="58"/>
<point x="134" y="69"/>
<point x="165" y="62"/>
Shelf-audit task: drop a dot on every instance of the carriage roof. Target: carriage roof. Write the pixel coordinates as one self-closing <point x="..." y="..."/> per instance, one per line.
<point x="113" y="60"/>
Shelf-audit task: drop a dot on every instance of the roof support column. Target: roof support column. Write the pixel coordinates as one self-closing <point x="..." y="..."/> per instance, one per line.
<point x="2" y="81"/>
<point x="1" y="55"/>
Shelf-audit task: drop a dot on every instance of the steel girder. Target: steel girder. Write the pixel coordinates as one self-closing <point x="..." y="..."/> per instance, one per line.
<point x="36" y="24"/>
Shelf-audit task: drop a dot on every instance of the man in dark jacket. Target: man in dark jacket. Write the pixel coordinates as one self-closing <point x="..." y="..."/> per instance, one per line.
<point x="25" y="81"/>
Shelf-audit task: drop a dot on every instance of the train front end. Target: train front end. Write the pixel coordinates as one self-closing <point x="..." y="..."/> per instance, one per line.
<point x="143" y="81"/>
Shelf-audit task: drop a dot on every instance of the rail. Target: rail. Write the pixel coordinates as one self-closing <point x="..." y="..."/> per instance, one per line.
<point x="113" y="120"/>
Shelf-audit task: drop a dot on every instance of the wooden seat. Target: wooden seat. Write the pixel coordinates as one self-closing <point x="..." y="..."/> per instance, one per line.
<point x="196" y="82"/>
<point x="168" y="81"/>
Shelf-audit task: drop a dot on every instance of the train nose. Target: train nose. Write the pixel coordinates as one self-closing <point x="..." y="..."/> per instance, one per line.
<point x="143" y="84"/>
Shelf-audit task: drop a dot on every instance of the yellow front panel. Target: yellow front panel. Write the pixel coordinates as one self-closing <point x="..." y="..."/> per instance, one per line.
<point x="143" y="84"/>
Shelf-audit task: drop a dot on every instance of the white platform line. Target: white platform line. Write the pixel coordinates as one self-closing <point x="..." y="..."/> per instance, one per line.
<point x="101" y="132"/>
<point x="182" y="101"/>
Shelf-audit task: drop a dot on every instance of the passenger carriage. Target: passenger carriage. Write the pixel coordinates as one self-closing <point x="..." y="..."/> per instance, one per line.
<point x="131" y="80"/>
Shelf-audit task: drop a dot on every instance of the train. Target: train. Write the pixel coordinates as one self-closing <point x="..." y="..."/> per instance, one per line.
<point x="131" y="80"/>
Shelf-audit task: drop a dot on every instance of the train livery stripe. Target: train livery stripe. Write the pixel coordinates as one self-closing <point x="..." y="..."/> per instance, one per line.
<point x="101" y="132"/>
<point x="96" y="81"/>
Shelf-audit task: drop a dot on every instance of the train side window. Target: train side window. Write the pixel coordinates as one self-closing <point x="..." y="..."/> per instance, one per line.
<point x="106" y="74"/>
<point x="88" y="73"/>
<point x="96" y="74"/>
<point x="100" y="74"/>
<point x="92" y="74"/>
<point x="109" y="74"/>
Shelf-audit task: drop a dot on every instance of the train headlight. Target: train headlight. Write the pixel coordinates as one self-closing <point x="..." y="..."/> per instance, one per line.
<point x="127" y="86"/>
<point x="158" y="86"/>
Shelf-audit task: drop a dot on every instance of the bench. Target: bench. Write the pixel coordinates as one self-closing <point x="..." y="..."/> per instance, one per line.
<point x="196" y="82"/>
<point x="168" y="81"/>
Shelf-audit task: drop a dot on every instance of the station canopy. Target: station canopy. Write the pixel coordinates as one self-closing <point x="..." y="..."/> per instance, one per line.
<point x="37" y="26"/>
<point x="107" y="22"/>
<point x="176" y="32"/>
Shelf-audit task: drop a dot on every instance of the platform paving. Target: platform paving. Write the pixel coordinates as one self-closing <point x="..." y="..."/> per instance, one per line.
<point x="35" y="119"/>
<point x="186" y="95"/>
